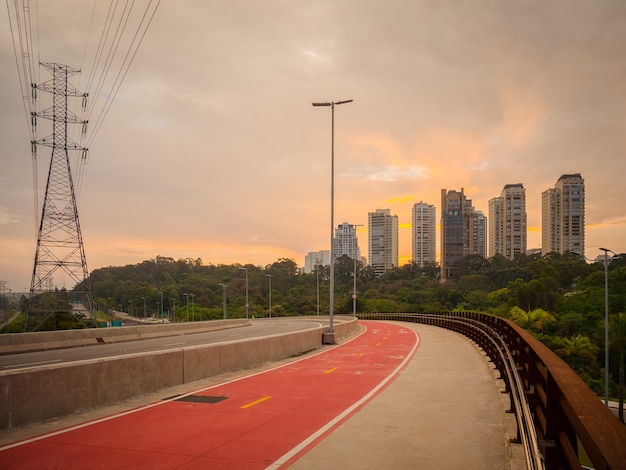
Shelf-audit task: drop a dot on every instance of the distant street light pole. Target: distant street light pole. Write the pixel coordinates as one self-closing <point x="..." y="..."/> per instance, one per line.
<point x="187" y="310"/>
<point x="317" y="271"/>
<point x="606" y="263"/>
<point x="144" y="308"/>
<point x="270" y="292"/>
<point x="247" y="303"/>
<point x="193" y="312"/>
<point x="329" y="337"/>
<point x="354" y="289"/>
<point x="174" y="311"/>
<point x="224" y="286"/>
<point x="161" y="312"/>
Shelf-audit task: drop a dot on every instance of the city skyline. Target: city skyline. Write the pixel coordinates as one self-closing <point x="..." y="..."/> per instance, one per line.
<point x="211" y="149"/>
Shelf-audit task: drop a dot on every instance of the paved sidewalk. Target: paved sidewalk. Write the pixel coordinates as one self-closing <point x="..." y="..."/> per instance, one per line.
<point x="444" y="411"/>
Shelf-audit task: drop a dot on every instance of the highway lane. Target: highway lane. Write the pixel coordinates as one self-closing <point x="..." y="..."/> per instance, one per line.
<point x="257" y="328"/>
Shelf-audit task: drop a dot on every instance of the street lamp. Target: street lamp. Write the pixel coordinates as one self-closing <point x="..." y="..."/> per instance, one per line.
<point x="193" y="312"/>
<point x="187" y="310"/>
<point x="270" y="278"/>
<point x="355" y="252"/>
<point x="606" y="263"/>
<point x="317" y="271"/>
<point x="329" y="337"/>
<point x="224" y="286"/>
<point x="247" y="303"/>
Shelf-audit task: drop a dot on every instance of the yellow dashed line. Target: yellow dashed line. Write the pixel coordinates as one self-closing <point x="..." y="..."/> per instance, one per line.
<point x="261" y="400"/>
<point x="377" y="344"/>
<point x="362" y="354"/>
<point x="330" y="370"/>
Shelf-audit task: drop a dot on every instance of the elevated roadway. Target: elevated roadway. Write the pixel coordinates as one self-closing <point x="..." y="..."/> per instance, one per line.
<point x="244" y="330"/>
<point x="393" y="396"/>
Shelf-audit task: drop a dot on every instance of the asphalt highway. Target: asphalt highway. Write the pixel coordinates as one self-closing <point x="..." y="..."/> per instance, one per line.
<point x="257" y="327"/>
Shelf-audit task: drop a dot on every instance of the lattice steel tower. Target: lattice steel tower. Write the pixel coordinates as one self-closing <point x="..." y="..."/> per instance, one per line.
<point x="59" y="242"/>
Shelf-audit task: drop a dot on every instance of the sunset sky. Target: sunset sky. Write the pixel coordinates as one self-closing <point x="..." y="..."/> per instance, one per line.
<point x="211" y="149"/>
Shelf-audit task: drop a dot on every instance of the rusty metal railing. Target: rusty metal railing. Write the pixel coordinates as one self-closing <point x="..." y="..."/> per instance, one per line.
<point x="557" y="414"/>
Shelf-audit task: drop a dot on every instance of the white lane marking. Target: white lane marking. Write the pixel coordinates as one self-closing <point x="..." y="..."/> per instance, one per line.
<point x="334" y="422"/>
<point x="31" y="364"/>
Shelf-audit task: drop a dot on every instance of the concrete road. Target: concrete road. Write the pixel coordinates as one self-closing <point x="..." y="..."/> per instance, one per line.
<point x="257" y="327"/>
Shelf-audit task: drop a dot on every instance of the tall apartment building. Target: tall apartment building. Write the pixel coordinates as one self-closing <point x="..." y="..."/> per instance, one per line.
<point x="563" y="216"/>
<point x="423" y="234"/>
<point x="508" y="227"/>
<point x="478" y="232"/>
<point x="463" y="232"/>
<point x="345" y="242"/>
<point x="315" y="258"/>
<point x="382" y="240"/>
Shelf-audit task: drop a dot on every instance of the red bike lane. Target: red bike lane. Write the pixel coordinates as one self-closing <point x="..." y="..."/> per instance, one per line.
<point x="264" y="420"/>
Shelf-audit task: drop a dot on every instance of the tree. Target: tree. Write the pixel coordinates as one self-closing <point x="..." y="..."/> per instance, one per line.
<point x="534" y="320"/>
<point x="578" y="351"/>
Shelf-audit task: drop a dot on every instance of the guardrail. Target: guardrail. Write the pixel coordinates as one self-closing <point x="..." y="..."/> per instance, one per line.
<point x="558" y="416"/>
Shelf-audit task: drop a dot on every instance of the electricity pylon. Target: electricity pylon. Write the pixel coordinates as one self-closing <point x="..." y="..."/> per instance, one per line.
<point x="59" y="242"/>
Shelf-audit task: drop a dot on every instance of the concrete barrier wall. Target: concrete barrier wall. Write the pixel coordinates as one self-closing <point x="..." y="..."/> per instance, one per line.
<point x="12" y="343"/>
<point x="44" y="393"/>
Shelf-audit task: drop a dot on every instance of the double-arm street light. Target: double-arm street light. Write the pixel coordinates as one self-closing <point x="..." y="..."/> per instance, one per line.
<point x="329" y="337"/>
<point x="606" y="261"/>
<point x="224" y="286"/>
<point x="247" y="303"/>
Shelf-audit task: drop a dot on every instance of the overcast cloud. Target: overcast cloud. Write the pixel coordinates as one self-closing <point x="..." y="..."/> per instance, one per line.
<point x="212" y="149"/>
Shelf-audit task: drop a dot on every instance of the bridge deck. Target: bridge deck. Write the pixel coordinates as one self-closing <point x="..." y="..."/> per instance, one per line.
<point x="444" y="410"/>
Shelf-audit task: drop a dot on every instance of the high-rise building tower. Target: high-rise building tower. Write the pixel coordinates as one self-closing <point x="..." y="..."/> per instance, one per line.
<point x="478" y="231"/>
<point x="316" y="258"/>
<point x="345" y="242"/>
<point x="423" y="234"/>
<point x="507" y="222"/>
<point x="463" y="232"/>
<point x="383" y="240"/>
<point x="563" y="216"/>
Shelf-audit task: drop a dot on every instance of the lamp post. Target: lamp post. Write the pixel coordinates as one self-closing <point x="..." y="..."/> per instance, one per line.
<point x="329" y="337"/>
<point x="317" y="271"/>
<point x="187" y="308"/>
<point x="606" y="263"/>
<point x="161" y="311"/>
<point x="270" y="292"/>
<point x="193" y="312"/>
<point x="354" y="272"/>
<point x="247" y="303"/>
<point x="174" y="310"/>
<point x="224" y="286"/>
